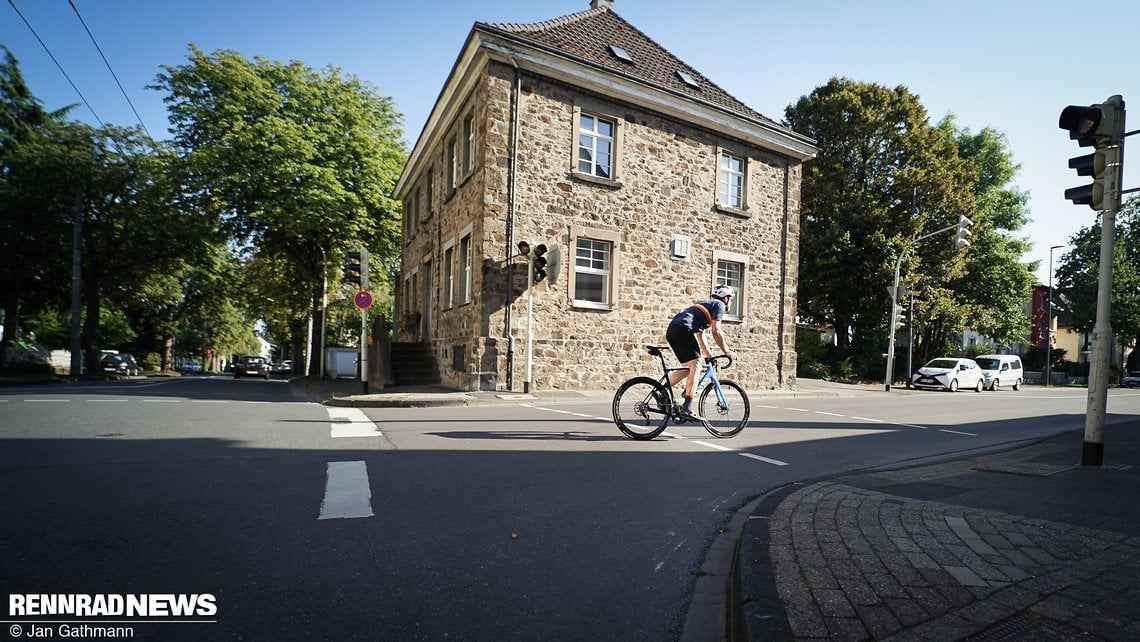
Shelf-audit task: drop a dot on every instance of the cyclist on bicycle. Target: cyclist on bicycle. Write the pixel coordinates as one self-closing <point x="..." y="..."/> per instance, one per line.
<point x="686" y="336"/>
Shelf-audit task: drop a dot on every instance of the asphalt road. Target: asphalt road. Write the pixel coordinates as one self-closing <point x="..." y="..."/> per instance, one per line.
<point x="516" y="520"/>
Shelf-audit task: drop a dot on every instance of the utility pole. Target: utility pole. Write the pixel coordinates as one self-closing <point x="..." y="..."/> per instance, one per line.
<point x="77" y="284"/>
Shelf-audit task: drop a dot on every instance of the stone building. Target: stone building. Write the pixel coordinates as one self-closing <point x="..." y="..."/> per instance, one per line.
<point x="648" y="184"/>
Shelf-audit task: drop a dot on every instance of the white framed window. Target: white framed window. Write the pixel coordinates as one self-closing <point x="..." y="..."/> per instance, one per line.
<point x="595" y="268"/>
<point x="448" y="285"/>
<point x="452" y="164"/>
<point x="469" y="143"/>
<point x="596" y="143"/>
<point x="730" y="181"/>
<point x="463" y="289"/>
<point x="731" y="268"/>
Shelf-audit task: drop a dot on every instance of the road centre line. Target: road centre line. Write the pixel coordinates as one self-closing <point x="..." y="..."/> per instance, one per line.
<point x="829" y="414"/>
<point x="958" y="432"/>
<point x="714" y="446"/>
<point x="775" y="462"/>
<point x="161" y="400"/>
<point x="47" y="400"/>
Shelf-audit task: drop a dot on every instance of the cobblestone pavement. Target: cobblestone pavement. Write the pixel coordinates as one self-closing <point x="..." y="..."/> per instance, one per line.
<point x="919" y="554"/>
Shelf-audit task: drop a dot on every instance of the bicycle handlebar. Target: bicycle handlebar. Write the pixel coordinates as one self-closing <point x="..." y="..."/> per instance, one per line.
<point x="719" y="356"/>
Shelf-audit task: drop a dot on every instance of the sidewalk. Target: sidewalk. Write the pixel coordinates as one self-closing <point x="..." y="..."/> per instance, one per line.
<point x="1020" y="545"/>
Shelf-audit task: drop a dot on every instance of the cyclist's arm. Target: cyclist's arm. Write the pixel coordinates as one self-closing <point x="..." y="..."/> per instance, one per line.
<point x="704" y="346"/>
<point x="714" y="326"/>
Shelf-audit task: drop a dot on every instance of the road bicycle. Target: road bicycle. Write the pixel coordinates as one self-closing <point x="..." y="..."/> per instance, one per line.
<point x="643" y="406"/>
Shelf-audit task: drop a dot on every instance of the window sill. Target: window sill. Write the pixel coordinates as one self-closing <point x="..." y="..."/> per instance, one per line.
<point x="732" y="211"/>
<point x="592" y="305"/>
<point x="596" y="180"/>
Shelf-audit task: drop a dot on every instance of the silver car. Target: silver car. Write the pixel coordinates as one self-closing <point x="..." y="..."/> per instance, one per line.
<point x="949" y="373"/>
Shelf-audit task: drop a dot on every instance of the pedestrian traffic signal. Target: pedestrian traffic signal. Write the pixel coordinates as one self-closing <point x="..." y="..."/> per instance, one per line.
<point x="961" y="238"/>
<point x="1100" y="126"/>
<point x="539" y="273"/>
<point x="356" y="271"/>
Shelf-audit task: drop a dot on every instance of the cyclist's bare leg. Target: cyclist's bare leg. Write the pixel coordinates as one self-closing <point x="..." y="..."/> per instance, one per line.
<point x="690" y="379"/>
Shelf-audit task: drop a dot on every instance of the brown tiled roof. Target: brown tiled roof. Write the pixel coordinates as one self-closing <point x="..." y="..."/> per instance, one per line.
<point x="588" y="35"/>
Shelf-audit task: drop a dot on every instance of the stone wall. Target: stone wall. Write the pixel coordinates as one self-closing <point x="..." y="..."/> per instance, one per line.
<point x="665" y="185"/>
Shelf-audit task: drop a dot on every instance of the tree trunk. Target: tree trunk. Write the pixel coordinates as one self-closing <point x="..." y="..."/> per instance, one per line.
<point x="91" y="328"/>
<point x="167" y="352"/>
<point x="316" y="339"/>
<point x="11" y="318"/>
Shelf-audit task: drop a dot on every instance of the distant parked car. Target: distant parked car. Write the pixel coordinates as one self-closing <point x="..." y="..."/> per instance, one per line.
<point x="121" y="363"/>
<point x="1001" y="370"/>
<point x="949" y="373"/>
<point x="285" y="367"/>
<point x="1131" y="380"/>
<point x="251" y="366"/>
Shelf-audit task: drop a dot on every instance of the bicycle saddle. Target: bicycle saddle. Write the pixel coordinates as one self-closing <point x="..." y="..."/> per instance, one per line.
<point x="655" y="350"/>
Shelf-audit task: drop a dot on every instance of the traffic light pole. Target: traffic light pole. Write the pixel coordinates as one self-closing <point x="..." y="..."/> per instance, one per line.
<point x="1093" y="452"/>
<point x="529" y="321"/>
<point x="890" y="375"/>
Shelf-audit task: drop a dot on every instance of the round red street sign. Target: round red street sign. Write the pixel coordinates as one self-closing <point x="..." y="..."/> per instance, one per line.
<point x="363" y="300"/>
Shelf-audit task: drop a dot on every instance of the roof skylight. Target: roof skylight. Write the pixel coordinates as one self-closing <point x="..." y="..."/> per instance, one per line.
<point x="687" y="79"/>
<point x="620" y="54"/>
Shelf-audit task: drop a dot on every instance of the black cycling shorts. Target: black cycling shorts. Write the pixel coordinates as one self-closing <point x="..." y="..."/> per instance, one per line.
<point x="683" y="342"/>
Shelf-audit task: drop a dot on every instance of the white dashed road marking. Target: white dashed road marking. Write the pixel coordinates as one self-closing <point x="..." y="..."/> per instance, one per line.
<point x="351" y="422"/>
<point x="347" y="492"/>
<point x="775" y="462"/>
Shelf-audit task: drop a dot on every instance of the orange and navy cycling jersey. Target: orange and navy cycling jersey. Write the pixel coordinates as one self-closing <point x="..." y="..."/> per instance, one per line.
<point x="699" y="316"/>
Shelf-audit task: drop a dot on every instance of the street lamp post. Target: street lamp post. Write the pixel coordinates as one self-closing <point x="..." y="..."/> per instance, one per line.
<point x="1049" y="322"/>
<point x="960" y="242"/>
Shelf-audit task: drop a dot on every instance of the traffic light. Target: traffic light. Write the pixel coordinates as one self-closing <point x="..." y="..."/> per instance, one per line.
<point x="961" y="238"/>
<point x="357" y="270"/>
<point x="1100" y="126"/>
<point x="539" y="263"/>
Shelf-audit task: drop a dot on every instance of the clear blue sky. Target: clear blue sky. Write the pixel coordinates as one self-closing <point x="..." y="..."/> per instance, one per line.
<point x="1007" y="64"/>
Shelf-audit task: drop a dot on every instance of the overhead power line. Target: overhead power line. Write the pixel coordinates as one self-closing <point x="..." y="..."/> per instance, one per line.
<point x="59" y="66"/>
<point x="108" y="63"/>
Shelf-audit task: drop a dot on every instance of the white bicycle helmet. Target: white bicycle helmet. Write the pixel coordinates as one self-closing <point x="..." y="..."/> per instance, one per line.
<point x="723" y="291"/>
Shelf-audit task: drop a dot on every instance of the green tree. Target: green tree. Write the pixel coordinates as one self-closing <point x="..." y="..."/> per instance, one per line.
<point x="299" y="164"/>
<point x="1078" y="278"/>
<point x="29" y="224"/>
<point x="995" y="284"/>
<point x="883" y="177"/>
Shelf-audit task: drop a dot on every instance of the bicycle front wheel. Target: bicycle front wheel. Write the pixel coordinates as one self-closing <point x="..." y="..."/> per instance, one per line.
<point x="728" y="416"/>
<point x="641" y="408"/>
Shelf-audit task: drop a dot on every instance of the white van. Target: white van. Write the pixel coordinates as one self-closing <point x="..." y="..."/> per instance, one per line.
<point x="1001" y="370"/>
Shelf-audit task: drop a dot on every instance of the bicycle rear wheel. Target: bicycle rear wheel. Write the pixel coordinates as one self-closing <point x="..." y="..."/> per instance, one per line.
<point x="727" y="418"/>
<point x="641" y="408"/>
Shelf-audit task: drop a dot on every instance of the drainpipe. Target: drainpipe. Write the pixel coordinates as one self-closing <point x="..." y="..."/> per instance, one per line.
<point x="512" y="163"/>
<point x="780" y="345"/>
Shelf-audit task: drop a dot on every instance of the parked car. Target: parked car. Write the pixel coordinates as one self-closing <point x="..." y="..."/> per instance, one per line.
<point x="121" y="363"/>
<point x="285" y="367"/>
<point x="1001" y="369"/>
<point x="1131" y="380"/>
<point x="251" y="366"/>
<point x="949" y="373"/>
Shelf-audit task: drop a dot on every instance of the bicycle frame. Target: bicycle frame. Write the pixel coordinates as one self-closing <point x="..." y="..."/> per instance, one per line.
<point x="708" y="373"/>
